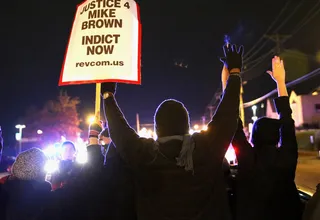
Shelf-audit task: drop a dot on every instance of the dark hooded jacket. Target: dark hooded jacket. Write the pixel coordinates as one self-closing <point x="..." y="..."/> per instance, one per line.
<point x="166" y="190"/>
<point x="24" y="199"/>
<point x="265" y="185"/>
<point x="98" y="192"/>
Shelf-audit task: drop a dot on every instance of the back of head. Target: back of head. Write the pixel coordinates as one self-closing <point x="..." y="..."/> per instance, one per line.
<point x="171" y="118"/>
<point x="265" y="131"/>
<point x="29" y="165"/>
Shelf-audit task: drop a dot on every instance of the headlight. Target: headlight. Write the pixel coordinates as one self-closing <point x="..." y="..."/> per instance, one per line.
<point x="51" y="166"/>
<point x="82" y="157"/>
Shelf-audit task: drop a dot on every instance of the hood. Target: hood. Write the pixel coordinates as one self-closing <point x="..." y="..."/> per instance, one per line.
<point x="180" y="148"/>
<point x="265" y="131"/>
<point x="171" y="118"/>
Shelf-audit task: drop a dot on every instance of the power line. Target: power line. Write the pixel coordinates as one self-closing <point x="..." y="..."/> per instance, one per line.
<point x="308" y="14"/>
<point x="278" y="39"/>
<point x="287" y="18"/>
<point x="307" y="21"/>
<point x="259" y="61"/>
<point x="268" y="29"/>
<point x="277" y="29"/>
<point x="297" y="81"/>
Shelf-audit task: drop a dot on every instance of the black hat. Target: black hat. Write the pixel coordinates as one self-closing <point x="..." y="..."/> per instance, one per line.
<point x="265" y="131"/>
<point x="171" y="118"/>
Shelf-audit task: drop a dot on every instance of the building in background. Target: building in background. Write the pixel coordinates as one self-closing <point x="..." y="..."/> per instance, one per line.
<point x="305" y="108"/>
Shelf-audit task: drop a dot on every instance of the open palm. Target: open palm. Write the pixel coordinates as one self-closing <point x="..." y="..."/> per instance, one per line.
<point x="278" y="72"/>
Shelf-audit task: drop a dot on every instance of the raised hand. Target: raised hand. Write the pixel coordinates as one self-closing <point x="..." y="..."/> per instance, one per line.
<point x="278" y="73"/>
<point x="233" y="57"/>
<point x="108" y="87"/>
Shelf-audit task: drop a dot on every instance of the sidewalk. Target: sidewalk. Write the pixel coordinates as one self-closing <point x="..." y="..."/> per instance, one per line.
<point x="308" y="171"/>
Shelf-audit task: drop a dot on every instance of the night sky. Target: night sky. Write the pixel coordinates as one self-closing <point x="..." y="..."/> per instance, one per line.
<point x="34" y="37"/>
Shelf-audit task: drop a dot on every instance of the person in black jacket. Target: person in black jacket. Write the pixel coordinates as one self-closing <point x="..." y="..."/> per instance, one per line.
<point x="265" y="182"/>
<point x="26" y="193"/>
<point x="89" y="195"/>
<point x="179" y="176"/>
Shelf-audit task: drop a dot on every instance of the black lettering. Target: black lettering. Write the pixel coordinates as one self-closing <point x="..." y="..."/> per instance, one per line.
<point x="91" y="24"/>
<point x="121" y="63"/>
<point x="98" y="63"/>
<point x="108" y="49"/>
<point x="116" y="36"/>
<point x="77" y="64"/>
<point x="104" y="63"/>
<point x="102" y="13"/>
<point x="81" y="64"/>
<point x="92" y="14"/>
<point x="84" y="25"/>
<point x="92" y="63"/>
<point x="117" y="4"/>
<point x="112" y="13"/>
<point x="100" y="49"/>
<point x="91" y="5"/>
<point x="99" y="23"/>
<point x="100" y="39"/>
<point x="90" y="50"/>
<point x="127" y="5"/>
<point x="99" y="3"/>
<point x="102" y="23"/>
<point x="115" y="63"/>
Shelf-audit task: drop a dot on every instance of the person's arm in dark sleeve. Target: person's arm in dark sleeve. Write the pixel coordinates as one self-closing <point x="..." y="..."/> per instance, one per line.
<point x="225" y="120"/>
<point x="95" y="158"/>
<point x="243" y="149"/>
<point x="288" y="142"/>
<point x="133" y="149"/>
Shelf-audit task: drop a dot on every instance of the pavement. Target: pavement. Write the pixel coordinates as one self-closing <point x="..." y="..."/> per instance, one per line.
<point x="308" y="171"/>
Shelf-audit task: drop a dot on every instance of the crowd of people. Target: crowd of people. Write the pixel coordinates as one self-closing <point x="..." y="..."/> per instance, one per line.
<point x="175" y="177"/>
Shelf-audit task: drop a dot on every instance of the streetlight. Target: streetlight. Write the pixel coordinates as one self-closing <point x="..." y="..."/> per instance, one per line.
<point x="20" y="127"/>
<point x="254" y="111"/>
<point x="91" y="119"/>
<point x="39" y="132"/>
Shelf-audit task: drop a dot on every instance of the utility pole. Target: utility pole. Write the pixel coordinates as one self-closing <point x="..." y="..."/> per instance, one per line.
<point x="241" y="106"/>
<point x="278" y="39"/>
<point x="98" y="101"/>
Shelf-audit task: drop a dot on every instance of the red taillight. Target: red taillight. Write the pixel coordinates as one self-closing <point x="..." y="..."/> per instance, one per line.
<point x="231" y="155"/>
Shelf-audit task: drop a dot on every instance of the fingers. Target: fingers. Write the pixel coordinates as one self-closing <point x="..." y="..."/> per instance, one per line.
<point x="234" y="48"/>
<point x="241" y="50"/>
<point x="225" y="50"/>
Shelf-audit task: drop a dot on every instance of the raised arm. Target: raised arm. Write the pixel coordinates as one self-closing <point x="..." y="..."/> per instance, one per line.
<point x="224" y="122"/>
<point x="133" y="149"/>
<point x="288" y="141"/>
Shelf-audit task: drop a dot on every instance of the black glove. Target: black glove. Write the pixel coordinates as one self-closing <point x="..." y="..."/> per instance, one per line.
<point x="108" y="87"/>
<point x="233" y="57"/>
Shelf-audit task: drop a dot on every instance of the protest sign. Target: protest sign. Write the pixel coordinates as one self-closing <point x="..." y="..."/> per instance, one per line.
<point x="105" y="44"/>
